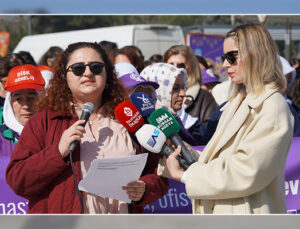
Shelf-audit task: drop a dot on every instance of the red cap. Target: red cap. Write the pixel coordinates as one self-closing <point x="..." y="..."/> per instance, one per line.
<point x="25" y="76"/>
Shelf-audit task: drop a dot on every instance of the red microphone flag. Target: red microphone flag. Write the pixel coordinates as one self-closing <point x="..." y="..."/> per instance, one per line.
<point x="129" y="116"/>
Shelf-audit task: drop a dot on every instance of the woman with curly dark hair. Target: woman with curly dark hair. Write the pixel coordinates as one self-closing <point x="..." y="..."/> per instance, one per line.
<point x="40" y="167"/>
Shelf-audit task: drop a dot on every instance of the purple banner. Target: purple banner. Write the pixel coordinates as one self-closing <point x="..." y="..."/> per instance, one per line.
<point x="10" y="203"/>
<point x="292" y="177"/>
<point x="176" y="200"/>
<point x="208" y="46"/>
<point x="292" y="174"/>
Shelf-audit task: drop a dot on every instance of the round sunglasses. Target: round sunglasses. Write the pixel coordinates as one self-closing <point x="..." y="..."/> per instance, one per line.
<point x="230" y="56"/>
<point x="79" y="68"/>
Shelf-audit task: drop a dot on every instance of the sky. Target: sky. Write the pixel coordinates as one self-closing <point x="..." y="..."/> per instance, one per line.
<point x="152" y="6"/>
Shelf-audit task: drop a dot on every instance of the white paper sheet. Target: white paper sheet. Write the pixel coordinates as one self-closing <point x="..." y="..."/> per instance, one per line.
<point x="106" y="176"/>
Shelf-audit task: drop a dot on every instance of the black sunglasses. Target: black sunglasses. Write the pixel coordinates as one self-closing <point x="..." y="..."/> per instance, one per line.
<point x="179" y="65"/>
<point x="79" y="68"/>
<point x="230" y="56"/>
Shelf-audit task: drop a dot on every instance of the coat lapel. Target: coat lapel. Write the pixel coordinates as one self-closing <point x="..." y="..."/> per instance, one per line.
<point x="234" y="124"/>
<point x="233" y="119"/>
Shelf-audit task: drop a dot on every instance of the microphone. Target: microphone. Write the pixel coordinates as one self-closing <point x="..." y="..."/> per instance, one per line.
<point x="129" y="116"/>
<point x="153" y="140"/>
<point x="143" y="103"/>
<point x="87" y="109"/>
<point x="165" y="121"/>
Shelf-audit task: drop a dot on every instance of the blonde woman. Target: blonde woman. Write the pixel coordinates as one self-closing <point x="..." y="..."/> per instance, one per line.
<point x="241" y="170"/>
<point x="198" y="103"/>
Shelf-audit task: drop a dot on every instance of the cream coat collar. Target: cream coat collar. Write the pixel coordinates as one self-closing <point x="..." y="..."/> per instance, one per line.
<point x="235" y="113"/>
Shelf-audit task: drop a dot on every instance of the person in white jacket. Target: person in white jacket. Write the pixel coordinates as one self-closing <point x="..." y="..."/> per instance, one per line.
<point x="241" y="170"/>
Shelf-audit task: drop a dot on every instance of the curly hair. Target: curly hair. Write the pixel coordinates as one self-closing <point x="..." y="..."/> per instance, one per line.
<point x="58" y="96"/>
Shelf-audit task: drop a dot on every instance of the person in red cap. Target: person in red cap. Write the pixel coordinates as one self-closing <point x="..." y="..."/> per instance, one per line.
<point x="24" y="84"/>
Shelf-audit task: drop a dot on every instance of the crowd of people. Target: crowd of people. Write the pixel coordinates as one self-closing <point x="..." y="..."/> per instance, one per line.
<point x="246" y="121"/>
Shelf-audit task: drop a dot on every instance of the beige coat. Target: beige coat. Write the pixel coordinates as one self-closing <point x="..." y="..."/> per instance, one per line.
<point x="241" y="170"/>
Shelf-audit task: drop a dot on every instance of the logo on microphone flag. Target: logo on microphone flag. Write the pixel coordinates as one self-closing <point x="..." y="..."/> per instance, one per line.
<point x="143" y="102"/>
<point x="129" y="116"/>
<point x="127" y="111"/>
<point x="144" y="99"/>
<point x="164" y="121"/>
<point x="152" y="141"/>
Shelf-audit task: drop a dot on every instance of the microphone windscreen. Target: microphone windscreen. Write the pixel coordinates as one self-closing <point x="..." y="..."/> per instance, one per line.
<point x="165" y="121"/>
<point x="88" y="107"/>
<point x="151" y="138"/>
<point x="129" y="116"/>
<point x="143" y="103"/>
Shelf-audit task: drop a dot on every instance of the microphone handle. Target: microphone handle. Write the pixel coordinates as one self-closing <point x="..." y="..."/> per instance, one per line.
<point x="183" y="164"/>
<point x="84" y="116"/>
<point x="176" y="140"/>
<point x="167" y="151"/>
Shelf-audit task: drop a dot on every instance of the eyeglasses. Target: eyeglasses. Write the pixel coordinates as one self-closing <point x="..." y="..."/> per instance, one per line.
<point x="179" y="65"/>
<point x="79" y="68"/>
<point x="230" y="56"/>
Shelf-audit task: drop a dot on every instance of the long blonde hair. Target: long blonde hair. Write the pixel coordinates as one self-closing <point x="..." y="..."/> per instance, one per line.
<point x="260" y="59"/>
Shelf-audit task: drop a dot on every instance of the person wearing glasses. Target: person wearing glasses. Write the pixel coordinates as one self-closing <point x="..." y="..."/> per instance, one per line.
<point x="241" y="169"/>
<point x="41" y="169"/>
<point x="198" y="102"/>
